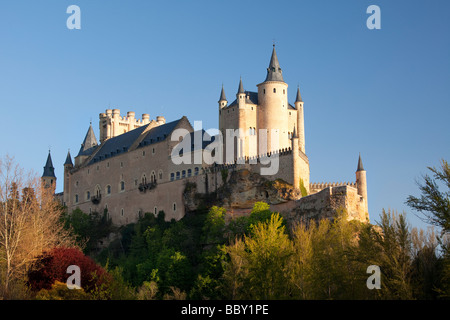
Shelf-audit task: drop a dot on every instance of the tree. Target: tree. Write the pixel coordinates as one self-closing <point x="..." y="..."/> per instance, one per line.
<point x="433" y="204"/>
<point x="259" y="264"/>
<point x="52" y="266"/>
<point x="434" y="207"/>
<point x="29" y="223"/>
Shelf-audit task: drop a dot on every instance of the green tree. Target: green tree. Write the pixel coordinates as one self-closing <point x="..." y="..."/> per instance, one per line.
<point x="260" y="261"/>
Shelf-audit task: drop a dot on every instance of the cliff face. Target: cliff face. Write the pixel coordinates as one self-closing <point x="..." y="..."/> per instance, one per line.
<point x="241" y="190"/>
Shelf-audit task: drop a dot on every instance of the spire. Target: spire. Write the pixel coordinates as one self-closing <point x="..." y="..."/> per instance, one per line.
<point x="294" y="133"/>
<point x="68" y="159"/>
<point x="49" y="170"/>
<point x="241" y="87"/>
<point x="299" y="97"/>
<point x="360" y="165"/>
<point x="274" y="72"/>
<point x="89" y="141"/>
<point x="222" y="95"/>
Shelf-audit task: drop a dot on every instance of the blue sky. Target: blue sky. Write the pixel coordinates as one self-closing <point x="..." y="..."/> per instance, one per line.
<point x="382" y="93"/>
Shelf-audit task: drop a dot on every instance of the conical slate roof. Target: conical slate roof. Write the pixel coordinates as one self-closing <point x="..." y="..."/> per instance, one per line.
<point x="68" y="159"/>
<point x="89" y="142"/>
<point x="241" y="87"/>
<point x="49" y="170"/>
<point x="360" y="165"/>
<point x="222" y="95"/>
<point x="299" y="96"/>
<point x="274" y="72"/>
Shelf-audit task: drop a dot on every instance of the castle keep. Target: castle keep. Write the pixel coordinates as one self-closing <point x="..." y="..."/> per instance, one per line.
<point x="132" y="170"/>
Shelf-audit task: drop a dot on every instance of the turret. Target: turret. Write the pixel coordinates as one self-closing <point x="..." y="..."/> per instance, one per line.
<point x="68" y="165"/>
<point x="86" y="149"/>
<point x="273" y="106"/>
<point x="361" y="182"/>
<point x="240" y="95"/>
<point x="295" y="159"/>
<point x="300" y="120"/>
<point x="48" y="177"/>
<point x="131" y="120"/>
<point x="222" y="100"/>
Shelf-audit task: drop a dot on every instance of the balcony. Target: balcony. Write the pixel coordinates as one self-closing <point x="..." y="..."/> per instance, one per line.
<point x="143" y="187"/>
<point x="96" y="199"/>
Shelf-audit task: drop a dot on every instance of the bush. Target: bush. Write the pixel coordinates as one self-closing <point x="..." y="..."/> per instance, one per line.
<point x="51" y="267"/>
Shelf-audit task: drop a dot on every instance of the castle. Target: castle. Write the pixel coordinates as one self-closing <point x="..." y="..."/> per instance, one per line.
<point x="144" y="165"/>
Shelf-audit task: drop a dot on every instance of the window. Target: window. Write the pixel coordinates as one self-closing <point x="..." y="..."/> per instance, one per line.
<point x="183" y="174"/>
<point x="178" y="175"/>
<point x="153" y="151"/>
<point x="189" y="172"/>
<point x="196" y="171"/>
<point x="121" y="212"/>
<point x="76" y="198"/>
<point x="98" y="191"/>
<point x="88" y="195"/>
<point x="160" y="174"/>
<point x="107" y="164"/>
<point x="76" y="183"/>
<point x="172" y="176"/>
<point x="108" y="189"/>
<point x="174" y="206"/>
<point x="264" y="91"/>
<point x="284" y="91"/>
<point x="121" y="164"/>
<point x="144" y="179"/>
<point x="143" y="153"/>
<point x="274" y="90"/>
<point x="122" y="185"/>
<point x="156" y="211"/>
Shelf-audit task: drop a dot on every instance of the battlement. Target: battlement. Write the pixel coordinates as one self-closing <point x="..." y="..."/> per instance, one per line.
<point x="316" y="187"/>
<point x="112" y="124"/>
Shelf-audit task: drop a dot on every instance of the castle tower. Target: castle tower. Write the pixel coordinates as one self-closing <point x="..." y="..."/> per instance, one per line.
<point x="48" y="177"/>
<point x="68" y="165"/>
<point x="273" y="105"/>
<point x="295" y="160"/>
<point x="222" y="100"/>
<point x="361" y="182"/>
<point x="300" y="120"/>
<point x="90" y="141"/>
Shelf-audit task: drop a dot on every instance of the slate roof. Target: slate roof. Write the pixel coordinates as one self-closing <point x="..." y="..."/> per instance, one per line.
<point x="68" y="159"/>
<point x="121" y="143"/>
<point x="49" y="170"/>
<point x="360" y="165"/>
<point x="252" y="98"/>
<point x="89" y="144"/>
<point x="274" y="72"/>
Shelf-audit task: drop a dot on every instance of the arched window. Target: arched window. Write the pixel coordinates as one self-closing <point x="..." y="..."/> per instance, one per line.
<point x="183" y="174"/>
<point x="144" y="179"/>
<point x="153" y="177"/>
<point x="108" y="189"/>
<point x="98" y="191"/>
<point x="160" y="175"/>
<point x="178" y="175"/>
<point x="88" y="195"/>
<point x="172" y="176"/>
<point x="196" y="171"/>
<point x="189" y="172"/>
<point x="122" y="185"/>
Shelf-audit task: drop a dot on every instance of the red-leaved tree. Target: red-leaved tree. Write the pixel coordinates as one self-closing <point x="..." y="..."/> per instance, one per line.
<point x="52" y="266"/>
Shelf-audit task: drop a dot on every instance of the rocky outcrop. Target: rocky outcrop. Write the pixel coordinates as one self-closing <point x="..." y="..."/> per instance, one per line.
<point x="241" y="190"/>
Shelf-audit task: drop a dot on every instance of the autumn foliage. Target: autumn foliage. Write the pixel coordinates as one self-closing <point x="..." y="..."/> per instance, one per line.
<point x="51" y="267"/>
